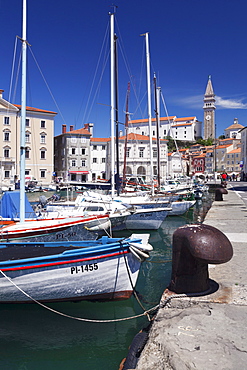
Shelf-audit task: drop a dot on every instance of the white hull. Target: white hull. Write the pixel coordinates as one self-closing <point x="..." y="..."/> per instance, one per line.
<point x="180" y="207"/>
<point x="70" y="271"/>
<point x="74" y="228"/>
<point x="70" y="283"/>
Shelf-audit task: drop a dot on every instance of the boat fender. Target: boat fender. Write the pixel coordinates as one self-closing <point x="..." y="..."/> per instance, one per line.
<point x="145" y="247"/>
<point x="135" y="350"/>
<point x="140" y="255"/>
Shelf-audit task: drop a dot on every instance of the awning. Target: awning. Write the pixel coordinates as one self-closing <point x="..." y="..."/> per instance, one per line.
<point x="80" y="172"/>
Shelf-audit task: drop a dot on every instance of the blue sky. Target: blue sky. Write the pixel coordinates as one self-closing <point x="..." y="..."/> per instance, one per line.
<point x="189" y="40"/>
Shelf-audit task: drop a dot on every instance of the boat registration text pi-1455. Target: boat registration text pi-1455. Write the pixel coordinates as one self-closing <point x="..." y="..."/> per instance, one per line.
<point x="84" y="268"/>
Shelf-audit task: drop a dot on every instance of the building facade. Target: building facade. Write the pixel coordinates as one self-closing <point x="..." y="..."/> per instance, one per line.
<point x="184" y="129"/>
<point x="39" y="147"/>
<point x="233" y="131"/>
<point x="73" y="155"/>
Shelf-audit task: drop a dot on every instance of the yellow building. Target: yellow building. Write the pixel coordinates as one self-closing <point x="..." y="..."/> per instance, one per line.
<point x="39" y="144"/>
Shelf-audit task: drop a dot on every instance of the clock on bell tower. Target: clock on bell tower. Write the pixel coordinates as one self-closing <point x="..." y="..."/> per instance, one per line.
<point x="209" y="111"/>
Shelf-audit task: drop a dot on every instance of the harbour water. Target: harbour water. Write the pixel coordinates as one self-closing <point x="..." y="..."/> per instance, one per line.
<point x="34" y="338"/>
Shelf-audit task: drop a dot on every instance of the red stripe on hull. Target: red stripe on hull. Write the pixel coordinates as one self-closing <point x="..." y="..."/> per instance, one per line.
<point x="65" y="262"/>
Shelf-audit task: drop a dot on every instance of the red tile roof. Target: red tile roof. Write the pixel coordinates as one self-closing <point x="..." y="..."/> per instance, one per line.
<point x="31" y="109"/>
<point x="185" y="119"/>
<point x="238" y="150"/>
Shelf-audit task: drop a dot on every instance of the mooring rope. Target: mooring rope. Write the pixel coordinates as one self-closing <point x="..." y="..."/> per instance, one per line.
<point x="145" y="313"/>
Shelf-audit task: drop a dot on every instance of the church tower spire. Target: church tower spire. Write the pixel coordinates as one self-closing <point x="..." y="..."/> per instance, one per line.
<point x="209" y="111"/>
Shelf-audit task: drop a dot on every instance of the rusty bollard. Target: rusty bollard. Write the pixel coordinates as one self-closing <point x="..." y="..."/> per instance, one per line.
<point x="219" y="192"/>
<point x="194" y="247"/>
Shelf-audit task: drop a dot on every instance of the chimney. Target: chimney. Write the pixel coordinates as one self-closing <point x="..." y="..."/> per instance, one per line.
<point x="89" y="127"/>
<point x="1" y="93"/>
<point x="120" y="133"/>
<point x="71" y="128"/>
<point x="63" y="129"/>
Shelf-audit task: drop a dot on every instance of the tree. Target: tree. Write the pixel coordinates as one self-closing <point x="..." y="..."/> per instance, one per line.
<point x="206" y="142"/>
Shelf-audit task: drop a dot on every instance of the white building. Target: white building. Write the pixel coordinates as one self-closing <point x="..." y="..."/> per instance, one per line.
<point x="39" y="144"/>
<point x="184" y="129"/>
<point x="233" y="131"/>
<point x="243" y="159"/>
<point x="99" y="153"/>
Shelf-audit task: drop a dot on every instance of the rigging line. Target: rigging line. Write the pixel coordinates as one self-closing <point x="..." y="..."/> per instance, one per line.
<point x="99" y="84"/>
<point x="128" y="69"/>
<point x="17" y="76"/>
<point x="46" y="84"/>
<point x="74" y="317"/>
<point x="131" y="79"/>
<point x="12" y="72"/>
<point x="97" y="67"/>
<point x="165" y="107"/>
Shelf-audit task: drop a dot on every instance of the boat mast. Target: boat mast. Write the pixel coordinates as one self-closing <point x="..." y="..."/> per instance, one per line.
<point x="126" y="134"/>
<point x="23" y="113"/>
<point x="116" y="115"/>
<point x="157" y="115"/>
<point x="149" y="109"/>
<point x="112" y="104"/>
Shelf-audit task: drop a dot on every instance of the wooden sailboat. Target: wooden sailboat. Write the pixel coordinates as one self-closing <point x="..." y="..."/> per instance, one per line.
<point x="68" y="270"/>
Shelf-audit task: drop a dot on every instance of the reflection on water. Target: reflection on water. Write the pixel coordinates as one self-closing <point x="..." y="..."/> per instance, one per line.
<point x="34" y="338"/>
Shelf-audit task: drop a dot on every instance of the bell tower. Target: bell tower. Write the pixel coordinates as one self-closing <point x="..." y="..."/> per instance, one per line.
<point x="209" y="111"/>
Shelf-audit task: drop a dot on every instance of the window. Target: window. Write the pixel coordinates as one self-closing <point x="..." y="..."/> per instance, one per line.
<point x="95" y="147"/>
<point x="72" y="150"/>
<point x="42" y="138"/>
<point x="83" y="163"/>
<point x="73" y="163"/>
<point x="83" y="151"/>
<point x="6" y="136"/>
<point x="27" y="122"/>
<point x="153" y="133"/>
<point x="164" y="132"/>
<point x="128" y="152"/>
<point x="6" y="153"/>
<point x="42" y="154"/>
<point x="27" y="153"/>
<point x="42" y="173"/>
<point x="27" y="137"/>
<point x="155" y="153"/>
<point x="103" y="160"/>
<point x="7" y="174"/>
<point x="6" y="120"/>
<point x="103" y="147"/>
<point x="83" y="139"/>
<point x="94" y="160"/>
<point x="141" y="152"/>
<point x="42" y="124"/>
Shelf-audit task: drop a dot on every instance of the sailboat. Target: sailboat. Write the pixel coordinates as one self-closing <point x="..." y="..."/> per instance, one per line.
<point x="68" y="270"/>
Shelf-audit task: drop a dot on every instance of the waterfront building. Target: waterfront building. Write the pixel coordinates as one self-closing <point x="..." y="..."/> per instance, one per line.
<point x="39" y="144"/>
<point x="99" y="148"/>
<point x="138" y="156"/>
<point x="209" y="111"/>
<point x="177" y="165"/>
<point x="73" y="154"/>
